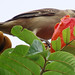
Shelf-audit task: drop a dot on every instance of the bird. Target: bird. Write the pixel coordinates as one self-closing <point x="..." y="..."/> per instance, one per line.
<point x="41" y="21"/>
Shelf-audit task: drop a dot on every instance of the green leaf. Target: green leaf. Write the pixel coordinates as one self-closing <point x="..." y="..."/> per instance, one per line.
<point x="59" y="68"/>
<point x="36" y="47"/>
<point x="51" y="73"/>
<point x="70" y="47"/>
<point x="25" y="35"/>
<point x="14" y="66"/>
<point x="38" y="59"/>
<point x="45" y="53"/>
<point x="18" y="65"/>
<point x="66" y="35"/>
<point x="74" y="31"/>
<point x="64" y="58"/>
<point x="56" y="44"/>
<point x="17" y="61"/>
<point x="8" y="51"/>
<point x="21" y="50"/>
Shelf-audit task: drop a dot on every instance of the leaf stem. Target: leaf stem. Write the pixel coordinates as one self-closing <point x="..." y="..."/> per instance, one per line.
<point x="43" y="69"/>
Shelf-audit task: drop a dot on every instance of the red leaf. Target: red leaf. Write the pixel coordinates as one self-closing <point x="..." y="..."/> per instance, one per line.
<point x="65" y="23"/>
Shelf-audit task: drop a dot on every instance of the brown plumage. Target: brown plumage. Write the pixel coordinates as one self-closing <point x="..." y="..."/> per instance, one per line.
<point x="41" y="22"/>
<point x="4" y="42"/>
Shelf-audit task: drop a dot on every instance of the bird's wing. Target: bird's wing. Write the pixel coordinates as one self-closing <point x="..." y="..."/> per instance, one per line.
<point x="37" y="13"/>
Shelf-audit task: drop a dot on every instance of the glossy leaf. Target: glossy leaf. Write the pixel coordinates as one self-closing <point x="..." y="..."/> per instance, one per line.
<point x="38" y="59"/>
<point x="36" y="47"/>
<point x="60" y="68"/>
<point x="64" y="58"/>
<point x="70" y="47"/>
<point x="19" y="65"/>
<point x="7" y="52"/>
<point x="66" y="35"/>
<point x="25" y="35"/>
<point x="56" y="44"/>
<point x="34" y="59"/>
<point x="51" y="73"/>
<point x="21" y="50"/>
<point x="74" y="31"/>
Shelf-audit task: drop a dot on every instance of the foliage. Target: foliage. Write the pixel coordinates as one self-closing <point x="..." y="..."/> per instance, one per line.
<point x="64" y="35"/>
<point x="35" y="59"/>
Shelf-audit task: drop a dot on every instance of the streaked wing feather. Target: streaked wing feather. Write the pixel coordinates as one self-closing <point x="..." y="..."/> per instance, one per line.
<point x="37" y="13"/>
